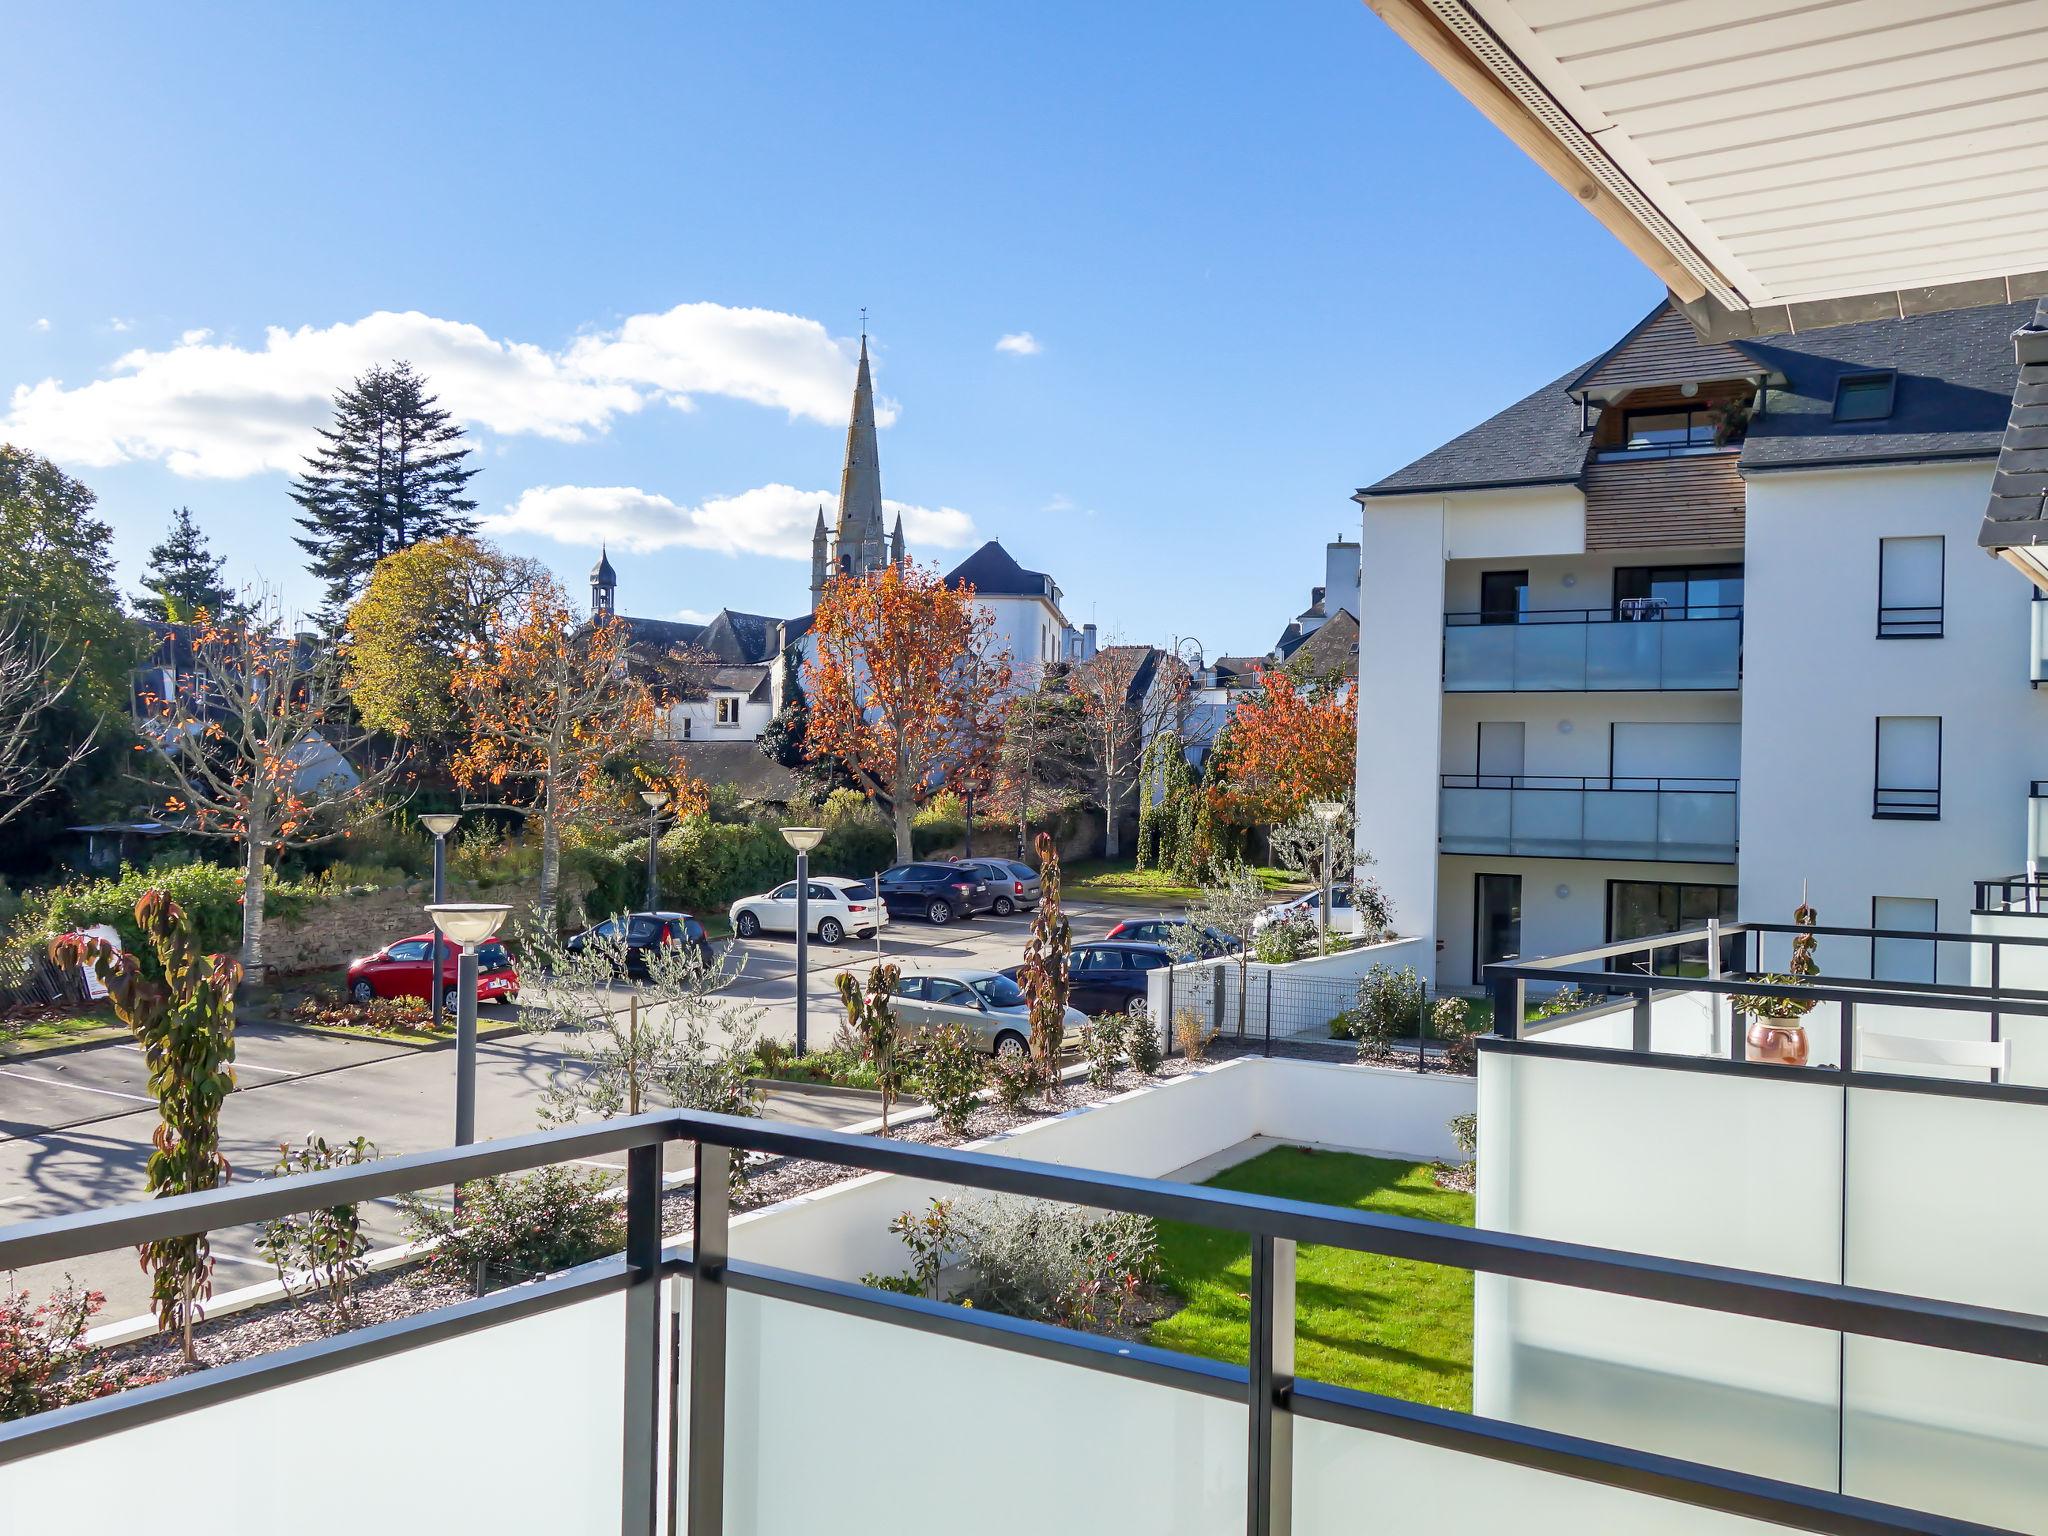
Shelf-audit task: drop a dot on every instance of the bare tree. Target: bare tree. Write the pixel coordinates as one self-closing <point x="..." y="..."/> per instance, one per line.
<point x="1129" y="693"/>
<point x="32" y="683"/>
<point x="255" y="745"/>
<point x="1043" y="756"/>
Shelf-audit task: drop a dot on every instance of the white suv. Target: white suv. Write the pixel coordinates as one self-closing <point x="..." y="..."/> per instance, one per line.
<point x="836" y="906"/>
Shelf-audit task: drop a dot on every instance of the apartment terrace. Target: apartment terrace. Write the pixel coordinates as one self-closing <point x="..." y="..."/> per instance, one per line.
<point x="1898" y="1161"/>
<point x="677" y="1387"/>
<point x="1631" y="647"/>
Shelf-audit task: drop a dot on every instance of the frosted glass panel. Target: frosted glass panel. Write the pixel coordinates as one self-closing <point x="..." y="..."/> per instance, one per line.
<point x="839" y="1424"/>
<point x="441" y="1438"/>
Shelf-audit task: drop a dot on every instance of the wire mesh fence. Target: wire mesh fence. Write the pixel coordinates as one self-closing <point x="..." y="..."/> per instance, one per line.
<point x="1397" y="1019"/>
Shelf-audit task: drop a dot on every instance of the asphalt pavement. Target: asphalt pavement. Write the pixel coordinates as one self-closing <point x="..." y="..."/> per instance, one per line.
<point x="75" y="1126"/>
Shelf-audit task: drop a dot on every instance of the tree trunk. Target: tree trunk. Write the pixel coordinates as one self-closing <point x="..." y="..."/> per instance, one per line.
<point x="252" y="904"/>
<point x="1110" y="846"/>
<point x="967" y="847"/>
<point x="899" y="811"/>
<point x="550" y="866"/>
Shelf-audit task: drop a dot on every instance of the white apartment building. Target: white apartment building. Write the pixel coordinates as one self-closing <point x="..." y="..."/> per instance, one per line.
<point x="1696" y="628"/>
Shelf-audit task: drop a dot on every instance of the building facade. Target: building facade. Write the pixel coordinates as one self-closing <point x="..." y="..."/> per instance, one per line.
<point x="1694" y="630"/>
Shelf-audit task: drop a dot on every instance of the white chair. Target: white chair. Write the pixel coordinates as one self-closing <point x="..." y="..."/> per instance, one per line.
<point x="1920" y="1051"/>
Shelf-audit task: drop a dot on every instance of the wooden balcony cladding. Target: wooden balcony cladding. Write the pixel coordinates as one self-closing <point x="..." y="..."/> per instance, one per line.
<point x="1692" y="500"/>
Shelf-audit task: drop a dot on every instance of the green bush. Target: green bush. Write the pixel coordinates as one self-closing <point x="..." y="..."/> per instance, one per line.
<point x="516" y="1227"/>
<point x="947" y="1071"/>
<point x="211" y="895"/>
<point x="1390" y="1005"/>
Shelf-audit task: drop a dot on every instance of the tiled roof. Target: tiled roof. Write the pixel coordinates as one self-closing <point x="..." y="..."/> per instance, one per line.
<point x="2018" y="513"/>
<point x="1955" y="380"/>
<point x="740" y="763"/>
<point x="992" y="573"/>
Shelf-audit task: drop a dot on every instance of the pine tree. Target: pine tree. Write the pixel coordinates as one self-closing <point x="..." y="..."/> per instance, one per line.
<point x="184" y="576"/>
<point x="390" y="473"/>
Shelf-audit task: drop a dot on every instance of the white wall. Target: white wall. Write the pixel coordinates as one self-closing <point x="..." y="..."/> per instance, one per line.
<point x="1515" y="523"/>
<point x="1568" y="734"/>
<point x="1032" y="628"/>
<point x="703" y="718"/>
<point x="1815" y="678"/>
<point x="1400" y="701"/>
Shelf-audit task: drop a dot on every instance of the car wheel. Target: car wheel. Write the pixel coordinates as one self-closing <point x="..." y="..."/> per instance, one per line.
<point x="940" y="912"/>
<point x="363" y="992"/>
<point x="829" y="931"/>
<point x="1010" y="1046"/>
<point x="1137" y="1007"/>
<point x="1004" y="906"/>
<point x="747" y="926"/>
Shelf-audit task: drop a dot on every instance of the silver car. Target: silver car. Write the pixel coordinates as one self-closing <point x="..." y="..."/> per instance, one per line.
<point x="990" y="1004"/>
<point x="1016" y="885"/>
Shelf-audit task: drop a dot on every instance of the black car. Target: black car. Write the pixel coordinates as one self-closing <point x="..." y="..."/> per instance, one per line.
<point x="1174" y="933"/>
<point x="646" y="932"/>
<point x="936" y="892"/>
<point x="1106" y="977"/>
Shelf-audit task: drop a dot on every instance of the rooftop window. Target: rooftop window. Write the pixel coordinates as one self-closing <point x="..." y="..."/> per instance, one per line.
<point x="1665" y="432"/>
<point x="1864" y="396"/>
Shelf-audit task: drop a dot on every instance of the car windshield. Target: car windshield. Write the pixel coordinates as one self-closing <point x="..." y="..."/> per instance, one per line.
<point x="861" y="892"/>
<point x="492" y="957"/>
<point x="999" y="992"/>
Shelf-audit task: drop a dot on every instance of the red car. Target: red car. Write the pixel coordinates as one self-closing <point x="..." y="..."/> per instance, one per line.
<point x="405" y="968"/>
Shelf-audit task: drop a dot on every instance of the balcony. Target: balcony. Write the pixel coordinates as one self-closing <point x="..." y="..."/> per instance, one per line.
<point x="1591" y="650"/>
<point x="1680" y="820"/>
<point x="688" y="1388"/>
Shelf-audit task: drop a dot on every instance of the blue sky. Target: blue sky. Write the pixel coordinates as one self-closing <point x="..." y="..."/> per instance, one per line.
<point x="1264" y="253"/>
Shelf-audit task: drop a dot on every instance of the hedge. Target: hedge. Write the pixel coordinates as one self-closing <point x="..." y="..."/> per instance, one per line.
<point x="211" y="895"/>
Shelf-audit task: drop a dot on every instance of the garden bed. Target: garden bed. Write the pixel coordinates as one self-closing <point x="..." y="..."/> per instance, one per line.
<point x="32" y="1028"/>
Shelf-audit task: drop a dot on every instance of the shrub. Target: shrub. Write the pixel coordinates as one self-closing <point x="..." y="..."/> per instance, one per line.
<point x="1102" y="1045"/>
<point x="1451" y="1022"/>
<point x="838" y="1064"/>
<point x="520" y="1226"/>
<point x="1293" y="937"/>
<point x="1014" y="1079"/>
<point x="44" y="1362"/>
<point x="1564" y="1000"/>
<point x="871" y="1020"/>
<point x="383" y="1014"/>
<point x="1142" y="1043"/>
<point x="1192" y="1033"/>
<point x="947" y="1072"/>
<point x="1390" y="1005"/>
<point x="324" y="1250"/>
<point x="1054" y="1263"/>
<point x="927" y="1236"/>
<point x="210" y="895"/>
<point x="1465" y="1131"/>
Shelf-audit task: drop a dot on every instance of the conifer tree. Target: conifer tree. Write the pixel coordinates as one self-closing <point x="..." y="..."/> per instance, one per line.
<point x="390" y="473"/>
<point x="184" y="576"/>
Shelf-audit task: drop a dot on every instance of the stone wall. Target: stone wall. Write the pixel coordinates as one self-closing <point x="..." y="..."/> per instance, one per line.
<point x="334" y="932"/>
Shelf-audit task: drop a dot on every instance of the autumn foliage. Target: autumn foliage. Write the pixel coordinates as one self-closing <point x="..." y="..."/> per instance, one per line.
<point x="905" y="686"/>
<point x="1285" y="746"/>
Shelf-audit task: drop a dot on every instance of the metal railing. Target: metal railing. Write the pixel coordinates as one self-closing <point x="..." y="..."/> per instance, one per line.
<point x="1917" y="622"/>
<point x="1690" y="820"/>
<point x="1268" y="1387"/>
<point x="2012" y="893"/>
<point x="1638" y="645"/>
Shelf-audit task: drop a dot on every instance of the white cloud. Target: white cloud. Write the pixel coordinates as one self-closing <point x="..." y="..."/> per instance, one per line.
<point x="116" y="323"/>
<point x="215" y="410"/>
<point x="774" y="520"/>
<point x="1019" y="343"/>
<point x="41" y="323"/>
<point x="1061" y="502"/>
<point x="693" y="616"/>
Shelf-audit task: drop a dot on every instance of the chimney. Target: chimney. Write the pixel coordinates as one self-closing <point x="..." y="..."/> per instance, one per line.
<point x="1340" y="578"/>
<point x="1087" y="641"/>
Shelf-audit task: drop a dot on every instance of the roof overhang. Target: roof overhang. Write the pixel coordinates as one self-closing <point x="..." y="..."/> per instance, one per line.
<point x="1780" y="166"/>
<point x="2016" y="523"/>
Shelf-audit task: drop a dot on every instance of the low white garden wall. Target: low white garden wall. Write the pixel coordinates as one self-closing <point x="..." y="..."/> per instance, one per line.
<point x="1197" y="985"/>
<point x="843" y="1232"/>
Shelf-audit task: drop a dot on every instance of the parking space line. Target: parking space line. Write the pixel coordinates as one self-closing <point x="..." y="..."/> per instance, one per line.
<point x="58" y="1082"/>
<point x="240" y="1065"/>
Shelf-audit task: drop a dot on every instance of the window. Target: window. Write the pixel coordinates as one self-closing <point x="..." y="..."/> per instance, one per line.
<point x="1864" y="396"/>
<point x="492" y="957"/>
<point x="728" y="709"/>
<point x="1908" y="768"/>
<point x="1643" y="909"/>
<point x="943" y="989"/>
<point x="642" y="931"/>
<point x="784" y="892"/>
<point x="1144" y="959"/>
<point x="999" y="992"/>
<point x="1496" y="921"/>
<point x="1503" y="596"/>
<point x="1678" y="592"/>
<point x="1665" y="432"/>
<point x="1088" y="962"/>
<point x="411" y="949"/>
<point x="1903" y="959"/>
<point x="911" y="987"/>
<point x="1909" y="587"/>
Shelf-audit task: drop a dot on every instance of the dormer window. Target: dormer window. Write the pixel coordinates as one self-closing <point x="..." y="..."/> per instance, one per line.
<point x="1864" y="396"/>
<point x="1668" y="430"/>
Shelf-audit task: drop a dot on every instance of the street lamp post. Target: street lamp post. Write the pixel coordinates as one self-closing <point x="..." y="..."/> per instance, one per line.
<point x="441" y="823"/>
<point x="1328" y="812"/>
<point x="803" y="840"/>
<point x="467" y="924"/>
<point x="655" y="799"/>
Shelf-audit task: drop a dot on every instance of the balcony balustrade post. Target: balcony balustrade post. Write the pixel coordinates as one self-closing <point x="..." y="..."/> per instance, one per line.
<point x="638" y="1494"/>
<point x="1269" y="1481"/>
<point x="708" y="1247"/>
<point x="1507" y="993"/>
<point x="1640" y="1032"/>
<point x="1995" y="1021"/>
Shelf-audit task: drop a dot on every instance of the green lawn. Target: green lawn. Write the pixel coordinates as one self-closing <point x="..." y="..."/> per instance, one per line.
<point x="57" y="1028"/>
<point x="1101" y="880"/>
<point x="1361" y="1320"/>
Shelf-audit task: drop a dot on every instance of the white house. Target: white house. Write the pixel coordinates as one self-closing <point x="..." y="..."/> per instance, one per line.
<point x="1694" y="628"/>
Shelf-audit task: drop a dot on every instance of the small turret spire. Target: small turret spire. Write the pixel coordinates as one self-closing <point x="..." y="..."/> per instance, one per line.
<point x="896" y="541"/>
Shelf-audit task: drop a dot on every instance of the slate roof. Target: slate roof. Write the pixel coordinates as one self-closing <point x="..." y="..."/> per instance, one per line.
<point x="738" y="639"/>
<point x="992" y="573"/>
<point x="741" y="764"/>
<point x="1955" y="378"/>
<point x="1141" y="676"/>
<point x="1331" y="647"/>
<point x="660" y="634"/>
<point x="2018" y="513"/>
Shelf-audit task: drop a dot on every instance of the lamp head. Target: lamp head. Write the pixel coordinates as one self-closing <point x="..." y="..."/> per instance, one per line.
<point x="441" y="823"/>
<point x="1327" y="811"/>
<point x="803" y="839"/>
<point x="468" y="923"/>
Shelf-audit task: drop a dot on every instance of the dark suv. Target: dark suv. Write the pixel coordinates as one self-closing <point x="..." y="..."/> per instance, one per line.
<point x="1109" y="977"/>
<point x="936" y="892"/>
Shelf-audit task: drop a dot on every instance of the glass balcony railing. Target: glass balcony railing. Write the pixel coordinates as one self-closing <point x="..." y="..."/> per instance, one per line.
<point x="1594" y="650"/>
<point x="1687" y="820"/>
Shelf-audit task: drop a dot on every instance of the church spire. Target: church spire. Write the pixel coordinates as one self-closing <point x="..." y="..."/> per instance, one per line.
<point x="859" y="533"/>
<point x="896" y="541"/>
<point x="821" y="560"/>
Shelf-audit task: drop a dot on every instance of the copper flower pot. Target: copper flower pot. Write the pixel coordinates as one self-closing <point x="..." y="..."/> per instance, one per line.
<point x="1781" y="1040"/>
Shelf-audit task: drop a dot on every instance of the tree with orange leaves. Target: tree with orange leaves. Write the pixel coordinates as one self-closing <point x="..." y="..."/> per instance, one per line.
<point x="1289" y="743"/>
<point x="906" y="685"/>
<point x="254" y="743"/>
<point x="553" y="709"/>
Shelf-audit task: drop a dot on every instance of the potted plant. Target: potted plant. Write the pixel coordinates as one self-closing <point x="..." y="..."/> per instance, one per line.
<point x="1775" y="1033"/>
